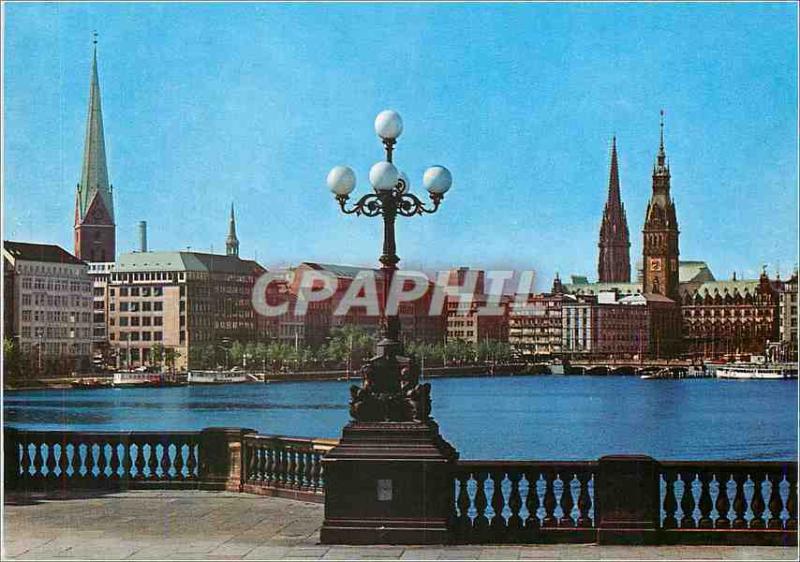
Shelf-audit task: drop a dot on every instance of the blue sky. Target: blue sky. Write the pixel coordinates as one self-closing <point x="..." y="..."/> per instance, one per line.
<point x="208" y="104"/>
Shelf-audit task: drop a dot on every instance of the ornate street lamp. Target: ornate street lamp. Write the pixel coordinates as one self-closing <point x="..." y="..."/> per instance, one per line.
<point x="391" y="389"/>
<point x="389" y="479"/>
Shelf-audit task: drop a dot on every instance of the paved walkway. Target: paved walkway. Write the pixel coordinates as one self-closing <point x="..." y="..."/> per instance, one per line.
<point x="192" y="525"/>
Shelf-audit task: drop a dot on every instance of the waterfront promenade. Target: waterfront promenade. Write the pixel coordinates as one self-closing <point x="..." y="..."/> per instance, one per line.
<point x="194" y="525"/>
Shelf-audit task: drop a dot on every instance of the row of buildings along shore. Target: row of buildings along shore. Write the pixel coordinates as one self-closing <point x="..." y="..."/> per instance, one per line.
<point x="64" y="310"/>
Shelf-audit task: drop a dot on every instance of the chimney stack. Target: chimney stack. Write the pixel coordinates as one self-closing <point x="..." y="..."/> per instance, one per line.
<point x="142" y="236"/>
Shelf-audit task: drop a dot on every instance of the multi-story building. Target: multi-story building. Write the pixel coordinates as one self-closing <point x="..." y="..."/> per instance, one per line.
<point x="48" y="305"/>
<point x="416" y="324"/>
<point x="100" y="274"/>
<point x="181" y="302"/>
<point x="535" y="325"/>
<point x="469" y="321"/>
<point x="470" y="314"/>
<point x="605" y="325"/>
<point x="787" y="311"/>
<point x="731" y="317"/>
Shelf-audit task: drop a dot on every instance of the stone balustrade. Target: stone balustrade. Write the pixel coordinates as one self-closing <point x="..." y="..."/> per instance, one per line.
<point x="621" y="499"/>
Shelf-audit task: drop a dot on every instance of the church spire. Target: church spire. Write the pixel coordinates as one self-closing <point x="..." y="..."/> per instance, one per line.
<point x="614" y="263"/>
<point x="95" y="231"/>
<point x="94" y="171"/>
<point x="613" y="177"/>
<point x="232" y="242"/>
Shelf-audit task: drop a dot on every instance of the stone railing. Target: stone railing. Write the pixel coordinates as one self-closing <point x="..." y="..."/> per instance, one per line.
<point x="56" y="459"/>
<point x="284" y="466"/>
<point x="619" y="499"/>
<point x="626" y="499"/>
<point x="215" y="459"/>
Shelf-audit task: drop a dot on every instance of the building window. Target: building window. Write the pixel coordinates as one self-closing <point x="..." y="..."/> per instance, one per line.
<point x="157" y="336"/>
<point x="134" y="320"/>
<point x="123" y="321"/>
<point x="134" y="291"/>
<point x="123" y="291"/>
<point x="146" y="307"/>
<point x="146" y="321"/>
<point x="158" y="321"/>
<point x="123" y="307"/>
<point x="158" y="306"/>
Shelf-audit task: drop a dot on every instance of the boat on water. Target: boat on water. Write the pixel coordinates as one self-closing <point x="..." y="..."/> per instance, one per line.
<point x="220" y="377"/>
<point x="89" y="383"/>
<point x="127" y="379"/>
<point x="767" y="371"/>
<point x="559" y="367"/>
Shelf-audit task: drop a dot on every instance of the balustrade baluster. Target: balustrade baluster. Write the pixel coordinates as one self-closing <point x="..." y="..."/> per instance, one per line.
<point x="126" y="460"/>
<point x="260" y="454"/>
<point x="498" y="525"/>
<point x="705" y="504"/>
<point x="722" y="504"/>
<point x="50" y="462"/>
<point x="317" y="477"/>
<point x="757" y="505"/>
<point x="481" y="523"/>
<point x="114" y="462"/>
<point x="140" y="461"/>
<point x="25" y="460"/>
<point x="178" y="464"/>
<point x="191" y="460"/>
<point x="515" y="524"/>
<point x="775" y="503"/>
<point x="463" y="522"/>
<point x="532" y="501"/>
<point x="152" y="461"/>
<point x="584" y="499"/>
<point x="791" y="499"/>
<point x="280" y="466"/>
<point x="102" y="461"/>
<point x="302" y="483"/>
<point x="687" y="500"/>
<point x="90" y="462"/>
<point x="166" y="463"/>
<point x="291" y="475"/>
<point x="269" y="459"/>
<point x="670" y="504"/>
<point x="63" y="462"/>
<point x="549" y="499"/>
<point x="309" y="470"/>
<point x="38" y="461"/>
<point x="739" y="500"/>
<point x="567" y="502"/>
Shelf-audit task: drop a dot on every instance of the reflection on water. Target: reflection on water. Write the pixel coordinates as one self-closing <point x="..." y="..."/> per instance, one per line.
<point x="494" y="418"/>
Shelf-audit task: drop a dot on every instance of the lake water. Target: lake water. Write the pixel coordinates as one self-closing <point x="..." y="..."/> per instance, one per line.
<point x="523" y="417"/>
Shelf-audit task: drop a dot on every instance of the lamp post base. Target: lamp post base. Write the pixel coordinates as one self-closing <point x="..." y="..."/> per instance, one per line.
<point x="389" y="483"/>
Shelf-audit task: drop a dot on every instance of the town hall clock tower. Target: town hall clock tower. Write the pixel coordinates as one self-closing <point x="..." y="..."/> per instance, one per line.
<point x="661" y="233"/>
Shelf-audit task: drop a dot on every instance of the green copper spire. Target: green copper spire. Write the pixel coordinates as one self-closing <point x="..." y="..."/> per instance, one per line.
<point x="94" y="172"/>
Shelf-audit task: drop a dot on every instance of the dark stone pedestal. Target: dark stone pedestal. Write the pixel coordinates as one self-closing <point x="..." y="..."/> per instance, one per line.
<point x="388" y="483"/>
<point x="628" y="500"/>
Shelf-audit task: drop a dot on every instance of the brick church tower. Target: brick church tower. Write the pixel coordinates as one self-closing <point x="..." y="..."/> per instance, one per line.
<point x="614" y="262"/>
<point x="661" y="233"/>
<point x="95" y="230"/>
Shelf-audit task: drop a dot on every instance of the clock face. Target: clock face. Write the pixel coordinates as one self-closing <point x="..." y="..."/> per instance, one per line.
<point x="655" y="264"/>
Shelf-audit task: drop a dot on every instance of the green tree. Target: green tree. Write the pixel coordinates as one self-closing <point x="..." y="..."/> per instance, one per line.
<point x="157" y="354"/>
<point x="236" y="353"/>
